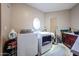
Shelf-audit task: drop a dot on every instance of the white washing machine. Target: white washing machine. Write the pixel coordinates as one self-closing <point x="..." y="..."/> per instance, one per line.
<point x="44" y="41"/>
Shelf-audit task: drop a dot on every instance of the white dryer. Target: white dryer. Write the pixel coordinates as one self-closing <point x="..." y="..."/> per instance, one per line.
<point x="44" y="41"/>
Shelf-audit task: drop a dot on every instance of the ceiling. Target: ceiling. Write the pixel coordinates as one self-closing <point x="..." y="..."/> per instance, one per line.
<point x="50" y="7"/>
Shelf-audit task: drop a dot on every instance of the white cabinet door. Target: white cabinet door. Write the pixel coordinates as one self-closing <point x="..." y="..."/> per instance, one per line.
<point x="76" y="46"/>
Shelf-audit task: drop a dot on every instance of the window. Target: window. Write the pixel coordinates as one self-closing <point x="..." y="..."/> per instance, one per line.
<point x="36" y="23"/>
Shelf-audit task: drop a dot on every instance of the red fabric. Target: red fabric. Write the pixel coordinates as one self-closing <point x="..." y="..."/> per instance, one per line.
<point x="69" y="39"/>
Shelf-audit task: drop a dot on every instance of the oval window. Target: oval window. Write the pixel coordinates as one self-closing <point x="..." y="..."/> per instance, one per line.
<point x="36" y="23"/>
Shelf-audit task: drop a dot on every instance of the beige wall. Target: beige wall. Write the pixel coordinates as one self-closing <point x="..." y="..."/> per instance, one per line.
<point x="0" y="20"/>
<point x="0" y="28"/>
<point x="62" y="17"/>
<point x="22" y="17"/>
<point x="18" y="16"/>
<point x="5" y="20"/>
<point x="5" y="23"/>
<point x="75" y="18"/>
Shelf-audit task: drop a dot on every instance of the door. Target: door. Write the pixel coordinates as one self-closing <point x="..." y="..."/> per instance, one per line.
<point x="53" y="24"/>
